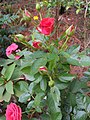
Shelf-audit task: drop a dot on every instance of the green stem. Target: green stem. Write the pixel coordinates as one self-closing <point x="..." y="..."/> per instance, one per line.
<point x="40" y="16"/>
<point x="64" y="43"/>
<point x="28" y="111"/>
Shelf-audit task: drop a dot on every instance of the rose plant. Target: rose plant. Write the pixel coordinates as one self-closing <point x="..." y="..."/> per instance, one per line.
<point x="38" y="76"/>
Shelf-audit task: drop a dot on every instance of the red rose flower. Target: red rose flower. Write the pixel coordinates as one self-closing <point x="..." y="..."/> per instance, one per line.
<point x="13" y="112"/>
<point x="46" y="26"/>
<point x="36" y="44"/>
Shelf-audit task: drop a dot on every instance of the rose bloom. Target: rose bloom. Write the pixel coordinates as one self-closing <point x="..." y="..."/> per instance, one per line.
<point x="46" y="26"/>
<point x="11" y="48"/>
<point x="36" y="44"/>
<point x="13" y="112"/>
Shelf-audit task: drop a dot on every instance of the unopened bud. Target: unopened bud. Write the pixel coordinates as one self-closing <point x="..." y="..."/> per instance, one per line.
<point x="43" y="69"/>
<point x="38" y="6"/>
<point x="27" y="13"/>
<point x="36" y="44"/>
<point x="70" y="31"/>
<point x="19" y="37"/>
<point x="51" y="83"/>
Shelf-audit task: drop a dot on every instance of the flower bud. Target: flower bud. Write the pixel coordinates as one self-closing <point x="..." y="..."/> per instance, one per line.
<point x="38" y="6"/>
<point x="43" y="68"/>
<point x="70" y="31"/>
<point x="27" y="13"/>
<point x="51" y="83"/>
<point x="26" y="16"/>
<point x="36" y="44"/>
<point x="19" y="37"/>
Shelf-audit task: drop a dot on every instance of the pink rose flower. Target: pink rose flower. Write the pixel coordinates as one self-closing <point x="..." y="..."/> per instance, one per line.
<point x="13" y="112"/>
<point x="11" y="49"/>
<point x="43" y="68"/>
<point x="36" y="44"/>
<point x="46" y="26"/>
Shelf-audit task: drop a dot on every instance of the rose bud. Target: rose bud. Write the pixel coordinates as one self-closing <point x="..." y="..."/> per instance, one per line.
<point x="27" y="13"/>
<point x="38" y="6"/>
<point x="36" y="44"/>
<point x="19" y="37"/>
<point x="26" y="16"/>
<point x="43" y="69"/>
<point x="70" y="31"/>
<point x="51" y="83"/>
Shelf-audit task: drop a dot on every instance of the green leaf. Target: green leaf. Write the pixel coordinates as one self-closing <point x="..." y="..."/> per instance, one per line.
<point x="17" y="90"/>
<point x="72" y="99"/>
<point x="53" y="103"/>
<point x="53" y="107"/>
<point x="24" y="97"/>
<point x="73" y="49"/>
<point x="1" y="81"/>
<point x="38" y="54"/>
<point x="23" y="86"/>
<point x="55" y="92"/>
<point x="4" y="62"/>
<point x="52" y="56"/>
<point x="79" y="60"/>
<point x="1" y="91"/>
<point x="56" y="116"/>
<point x="37" y="99"/>
<point x="26" y="70"/>
<point x="61" y="85"/>
<point x="30" y="104"/>
<point x="66" y="77"/>
<point x="9" y="71"/>
<point x="29" y="77"/>
<point x="81" y="115"/>
<point x="3" y="118"/>
<point x="45" y="117"/>
<point x="37" y="63"/>
<point x="43" y="84"/>
<point x="9" y="87"/>
<point x="31" y="87"/>
<point x="16" y="74"/>
<point x="76" y="85"/>
<point x="6" y="96"/>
